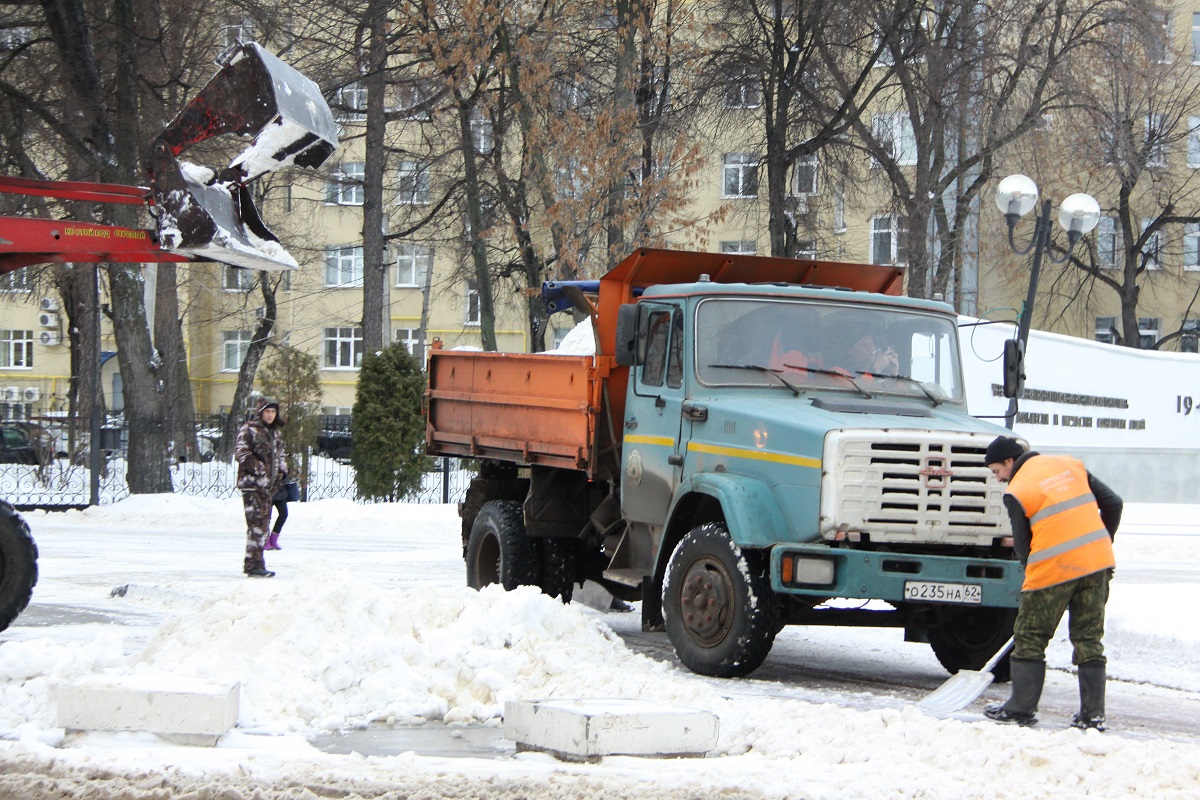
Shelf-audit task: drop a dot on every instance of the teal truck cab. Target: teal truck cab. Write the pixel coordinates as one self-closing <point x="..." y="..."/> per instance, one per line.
<point x="781" y="451"/>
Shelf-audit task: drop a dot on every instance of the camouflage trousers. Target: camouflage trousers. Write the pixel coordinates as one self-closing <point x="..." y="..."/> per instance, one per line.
<point x="1041" y="610"/>
<point x="258" y="518"/>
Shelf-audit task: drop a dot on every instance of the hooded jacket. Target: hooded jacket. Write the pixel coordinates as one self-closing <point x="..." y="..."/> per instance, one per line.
<point x="258" y="450"/>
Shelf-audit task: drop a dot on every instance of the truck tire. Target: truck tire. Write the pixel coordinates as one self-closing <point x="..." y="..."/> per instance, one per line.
<point x="735" y="633"/>
<point x="559" y="560"/>
<point x="968" y="639"/>
<point x="498" y="551"/>
<point x="18" y="565"/>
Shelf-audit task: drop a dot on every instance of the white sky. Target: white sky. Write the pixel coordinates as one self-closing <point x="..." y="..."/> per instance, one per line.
<point x="369" y="620"/>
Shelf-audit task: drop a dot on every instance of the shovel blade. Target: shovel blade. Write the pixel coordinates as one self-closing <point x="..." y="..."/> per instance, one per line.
<point x="957" y="693"/>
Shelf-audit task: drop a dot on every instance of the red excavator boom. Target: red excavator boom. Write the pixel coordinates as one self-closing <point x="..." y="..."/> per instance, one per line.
<point x="200" y="214"/>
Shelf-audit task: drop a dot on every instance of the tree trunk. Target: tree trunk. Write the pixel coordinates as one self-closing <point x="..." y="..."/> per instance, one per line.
<point x="177" y="386"/>
<point x="254" y="353"/>
<point x="375" y="266"/>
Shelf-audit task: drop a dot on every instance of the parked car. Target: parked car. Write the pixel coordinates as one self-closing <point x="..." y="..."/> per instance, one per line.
<point x="16" y="447"/>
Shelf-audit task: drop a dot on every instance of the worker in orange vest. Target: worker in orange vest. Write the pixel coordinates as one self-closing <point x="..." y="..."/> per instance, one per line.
<point x="1063" y="521"/>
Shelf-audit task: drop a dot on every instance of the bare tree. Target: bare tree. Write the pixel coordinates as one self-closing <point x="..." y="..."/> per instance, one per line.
<point x="1134" y="140"/>
<point x="968" y="79"/>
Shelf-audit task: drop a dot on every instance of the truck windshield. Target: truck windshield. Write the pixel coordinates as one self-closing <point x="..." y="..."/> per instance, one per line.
<point x="862" y="349"/>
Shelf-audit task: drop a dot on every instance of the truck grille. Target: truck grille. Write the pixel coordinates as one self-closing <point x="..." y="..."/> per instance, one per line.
<point x="911" y="486"/>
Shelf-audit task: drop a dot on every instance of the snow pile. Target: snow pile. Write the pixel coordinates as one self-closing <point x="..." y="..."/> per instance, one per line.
<point x="369" y="621"/>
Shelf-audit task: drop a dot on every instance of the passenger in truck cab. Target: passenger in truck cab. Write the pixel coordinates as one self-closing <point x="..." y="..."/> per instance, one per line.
<point x="866" y="356"/>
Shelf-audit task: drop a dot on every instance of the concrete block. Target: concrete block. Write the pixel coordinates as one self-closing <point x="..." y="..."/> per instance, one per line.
<point x="181" y="710"/>
<point x="588" y="729"/>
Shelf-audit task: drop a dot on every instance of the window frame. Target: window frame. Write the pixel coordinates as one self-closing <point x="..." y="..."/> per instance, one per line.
<point x="347" y="341"/>
<point x="897" y="228"/>
<point x="16" y="348"/>
<point x="235" y="343"/>
<point x="412" y="183"/>
<point x="343" y="253"/>
<point x="419" y="258"/>
<point x="740" y="168"/>
<point x="346" y="185"/>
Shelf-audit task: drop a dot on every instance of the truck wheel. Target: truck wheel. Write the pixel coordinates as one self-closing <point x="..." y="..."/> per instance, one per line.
<point x="498" y="550"/>
<point x="559" y="560"/>
<point x="18" y="565"/>
<point x="720" y="613"/>
<point x="967" y="640"/>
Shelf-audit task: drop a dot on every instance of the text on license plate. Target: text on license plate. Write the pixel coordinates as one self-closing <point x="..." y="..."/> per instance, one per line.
<point x="930" y="591"/>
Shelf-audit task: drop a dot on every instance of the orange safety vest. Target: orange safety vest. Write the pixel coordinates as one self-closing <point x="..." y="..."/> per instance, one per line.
<point x="1069" y="538"/>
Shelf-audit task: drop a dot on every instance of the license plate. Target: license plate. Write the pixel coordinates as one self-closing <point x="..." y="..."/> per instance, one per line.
<point x="933" y="592"/>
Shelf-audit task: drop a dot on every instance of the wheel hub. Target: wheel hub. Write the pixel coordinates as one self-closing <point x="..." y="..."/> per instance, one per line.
<point x="706" y="602"/>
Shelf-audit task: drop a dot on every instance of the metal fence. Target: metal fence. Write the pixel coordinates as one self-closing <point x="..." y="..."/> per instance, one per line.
<point x="61" y="478"/>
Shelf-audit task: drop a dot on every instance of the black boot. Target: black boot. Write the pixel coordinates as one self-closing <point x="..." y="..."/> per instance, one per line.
<point x="259" y="572"/>
<point x="1091" y="696"/>
<point x="1021" y="708"/>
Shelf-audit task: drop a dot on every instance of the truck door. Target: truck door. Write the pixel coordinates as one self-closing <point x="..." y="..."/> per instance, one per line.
<point x="653" y="445"/>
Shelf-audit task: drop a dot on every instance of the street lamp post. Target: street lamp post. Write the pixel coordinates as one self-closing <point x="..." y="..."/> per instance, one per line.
<point x="1015" y="197"/>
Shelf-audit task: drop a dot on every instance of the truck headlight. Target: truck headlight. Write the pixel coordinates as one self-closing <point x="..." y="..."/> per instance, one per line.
<point x="807" y="570"/>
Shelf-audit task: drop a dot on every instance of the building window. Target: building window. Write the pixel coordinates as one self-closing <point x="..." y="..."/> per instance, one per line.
<point x="740" y="175"/>
<point x="344" y="266"/>
<point x="743" y="90"/>
<point x="1106" y="330"/>
<point x="894" y="132"/>
<point x="1193" y="142"/>
<point x="413" y="179"/>
<point x="236" y="31"/>
<point x="482" y="133"/>
<point x="19" y="280"/>
<point x="839" y="208"/>
<point x="409" y="337"/>
<point x="234" y="347"/>
<point x="1158" y="43"/>
<point x="806" y="175"/>
<point x="474" y="314"/>
<point x="1149" y="331"/>
<point x="1152" y="249"/>
<point x="1156" y="140"/>
<point x="413" y="100"/>
<point x="1195" y="38"/>
<point x="343" y="348"/>
<point x="1191" y="247"/>
<point x="352" y="103"/>
<point x="806" y="248"/>
<point x="888" y="235"/>
<point x="412" y="264"/>
<point x="238" y="279"/>
<point x="16" y="349"/>
<point x="1189" y="340"/>
<point x="346" y="186"/>
<point x="1108" y="243"/>
<point x="744" y="247"/>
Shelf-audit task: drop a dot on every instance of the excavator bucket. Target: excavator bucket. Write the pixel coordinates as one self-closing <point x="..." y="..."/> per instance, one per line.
<point x="211" y="215"/>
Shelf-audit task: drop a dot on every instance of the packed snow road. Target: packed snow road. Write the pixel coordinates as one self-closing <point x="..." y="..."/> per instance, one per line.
<point x="369" y="626"/>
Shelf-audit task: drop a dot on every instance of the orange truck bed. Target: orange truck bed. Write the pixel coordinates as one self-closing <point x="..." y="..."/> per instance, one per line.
<point x="527" y="407"/>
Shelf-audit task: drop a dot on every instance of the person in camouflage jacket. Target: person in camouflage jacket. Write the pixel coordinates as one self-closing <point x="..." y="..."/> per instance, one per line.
<point x="262" y="469"/>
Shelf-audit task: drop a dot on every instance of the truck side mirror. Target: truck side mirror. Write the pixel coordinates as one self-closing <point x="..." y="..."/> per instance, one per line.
<point x="626" y="345"/>
<point x="1014" y="367"/>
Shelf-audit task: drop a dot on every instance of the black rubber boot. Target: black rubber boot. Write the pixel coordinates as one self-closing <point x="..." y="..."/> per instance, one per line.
<point x="1021" y="708"/>
<point x="1091" y="696"/>
<point x="259" y="572"/>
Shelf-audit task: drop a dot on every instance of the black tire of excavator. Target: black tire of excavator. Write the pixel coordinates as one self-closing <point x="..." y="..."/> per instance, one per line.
<point x="18" y="565"/>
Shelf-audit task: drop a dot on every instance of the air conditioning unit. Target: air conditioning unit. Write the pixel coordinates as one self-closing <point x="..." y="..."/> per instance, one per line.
<point x="49" y="338"/>
<point x="32" y="394"/>
<point x="10" y="394"/>
<point x="49" y="304"/>
<point x="48" y="319"/>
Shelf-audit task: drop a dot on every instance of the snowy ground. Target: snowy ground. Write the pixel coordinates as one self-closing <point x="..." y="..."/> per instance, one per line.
<point x="368" y="622"/>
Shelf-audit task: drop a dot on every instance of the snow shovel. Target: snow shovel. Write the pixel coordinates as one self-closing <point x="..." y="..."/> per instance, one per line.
<point x="964" y="687"/>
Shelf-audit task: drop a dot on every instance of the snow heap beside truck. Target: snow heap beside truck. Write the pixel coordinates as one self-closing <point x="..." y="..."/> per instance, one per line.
<point x="718" y="461"/>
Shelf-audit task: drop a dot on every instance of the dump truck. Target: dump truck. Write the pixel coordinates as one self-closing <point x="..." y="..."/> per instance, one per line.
<point x="716" y="460"/>
<point x="199" y="214"/>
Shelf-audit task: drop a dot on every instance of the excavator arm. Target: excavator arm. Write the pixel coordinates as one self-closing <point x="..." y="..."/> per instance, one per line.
<point x="200" y="214"/>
